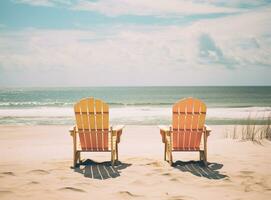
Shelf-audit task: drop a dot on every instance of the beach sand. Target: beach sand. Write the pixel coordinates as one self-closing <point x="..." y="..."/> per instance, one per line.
<point x="36" y="164"/>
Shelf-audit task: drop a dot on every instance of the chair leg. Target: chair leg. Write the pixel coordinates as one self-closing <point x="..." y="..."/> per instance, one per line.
<point x="112" y="157"/>
<point x="201" y="155"/>
<point x="75" y="158"/>
<point x="74" y="162"/>
<point x="205" y="149"/>
<point x="75" y="152"/>
<point x="170" y="158"/>
<point x="117" y="152"/>
<point x="165" y="152"/>
<point x="205" y="158"/>
<point x="79" y="157"/>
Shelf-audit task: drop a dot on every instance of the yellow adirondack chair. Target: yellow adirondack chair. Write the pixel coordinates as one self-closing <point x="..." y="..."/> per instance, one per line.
<point x="92" y="132"/>
<point x="188" y="131"/>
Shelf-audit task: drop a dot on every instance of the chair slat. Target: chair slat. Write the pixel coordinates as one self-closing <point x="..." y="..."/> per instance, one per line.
<point x="202" y="116"/>
<point x="196" y="114"/>
<point x="105" y="116"/>
<point x="92" y="120"/>
<point x="188" y="121"/>
<point x="99" y="122"/>
<point x="86" y="124"/>
<point x="80" y="125"/>
<point x="78" y="118"/>
<point x="99" y="114"/>
<point x="105" y="122"/>
<point x="91" y="113"/>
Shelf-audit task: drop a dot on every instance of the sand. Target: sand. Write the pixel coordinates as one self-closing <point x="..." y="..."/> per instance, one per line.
<point x="36" y="164"/>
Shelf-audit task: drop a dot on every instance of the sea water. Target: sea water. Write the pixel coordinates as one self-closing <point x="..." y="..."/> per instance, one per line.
<point x="133" y="105"/>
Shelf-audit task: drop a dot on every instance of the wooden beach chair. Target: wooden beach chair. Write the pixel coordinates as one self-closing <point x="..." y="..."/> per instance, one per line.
<point x="92" y="132"/>
<point x="188" y="131"/>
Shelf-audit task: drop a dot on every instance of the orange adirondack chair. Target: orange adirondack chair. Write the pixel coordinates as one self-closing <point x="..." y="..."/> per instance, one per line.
<point x="188" y="130"/>
<point x="92" y="132"/>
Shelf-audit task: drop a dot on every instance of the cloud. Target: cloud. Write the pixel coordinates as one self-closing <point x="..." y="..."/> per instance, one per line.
<point x="46" y="3"/>
<point x="139" y="7"/>
<point x="236" y="3"/>
<point x="35" y="2"/>
<point x="199" y="53"/>
<point x="150" y="7"/>
<point x="244" y="39"/>
<point x="210" y="53"/>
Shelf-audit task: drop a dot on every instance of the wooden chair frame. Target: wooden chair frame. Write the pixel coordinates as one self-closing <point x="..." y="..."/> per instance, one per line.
<point x="166" y="132"/>
<point x="115" y="139"/>
<point x="92" y="132"/>
<point x="183" y="112"/>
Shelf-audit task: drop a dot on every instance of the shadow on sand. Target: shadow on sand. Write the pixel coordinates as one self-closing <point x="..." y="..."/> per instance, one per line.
<point x="102" y="170"/>
<point x="198" y="168"/>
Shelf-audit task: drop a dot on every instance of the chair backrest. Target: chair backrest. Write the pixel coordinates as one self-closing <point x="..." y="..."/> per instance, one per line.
<point x="92" y="120"/>
<point x="188" y="123"/>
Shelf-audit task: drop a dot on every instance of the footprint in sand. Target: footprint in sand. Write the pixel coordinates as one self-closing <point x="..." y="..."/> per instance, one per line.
<point x="166" y="174"/>
<point x="8" y="173"/>
<point x="155" y="164"/>
<point x="127" y="194"/>
<point x="246" y="172"/>
<point x="252" y="182"/>
<point x="227" y="179"/>
<point x="72" y="189"/>
<point x="174" y="180"/>
<point x="170" y="175"/>
<point x="256" y="184"/>
<point x="33" y="183"/>
<point x="180" y="198"/>
<point x="38" y="172"/>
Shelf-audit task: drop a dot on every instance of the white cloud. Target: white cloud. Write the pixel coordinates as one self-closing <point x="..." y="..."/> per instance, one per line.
<point x="46" y="3"/>
<point x="202" y="53"/>
<point x="36" y="2"/>
<point x="160" y="8"/>
<point x="244" y="39"/>
<point x="150" y="7"/>
<point x="234" y="3"/>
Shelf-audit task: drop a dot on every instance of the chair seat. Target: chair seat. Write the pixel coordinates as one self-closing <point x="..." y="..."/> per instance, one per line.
<point x="105" y="149"/>
<point x="95" y="150"/>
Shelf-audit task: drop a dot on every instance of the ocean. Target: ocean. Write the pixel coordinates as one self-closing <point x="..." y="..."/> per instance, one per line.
<point x="133" y="105"/>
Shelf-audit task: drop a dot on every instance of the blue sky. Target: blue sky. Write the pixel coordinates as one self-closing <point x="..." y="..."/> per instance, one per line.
<point x="143" y="42"/>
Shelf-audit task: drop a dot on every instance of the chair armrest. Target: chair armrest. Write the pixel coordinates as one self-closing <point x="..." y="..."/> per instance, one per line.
<point x="164" y="128"/>
<point x="164" y="131"/>
<point x="72" y="130"/>
<point x="117" y="131"/>
<point x="207" y="129"/>
<point x="117" y="128"/>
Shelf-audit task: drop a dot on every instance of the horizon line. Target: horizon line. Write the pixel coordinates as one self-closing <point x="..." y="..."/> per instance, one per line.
<point x="138" y="86"/>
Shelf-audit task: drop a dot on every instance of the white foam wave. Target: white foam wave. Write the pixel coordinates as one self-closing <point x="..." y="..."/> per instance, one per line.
<point x="139" y="113"/>
<point x="34" y="103"/>
<point x="37" y="112"/>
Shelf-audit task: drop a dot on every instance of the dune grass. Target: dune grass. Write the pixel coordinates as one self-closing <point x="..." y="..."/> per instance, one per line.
<point x="252" y="131"/>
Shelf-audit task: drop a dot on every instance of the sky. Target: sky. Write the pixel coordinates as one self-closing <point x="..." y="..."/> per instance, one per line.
<point x="134" y="42"/>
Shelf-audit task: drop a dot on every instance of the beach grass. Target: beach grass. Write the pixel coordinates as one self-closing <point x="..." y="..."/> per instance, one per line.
<point x="252" y="131"/>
